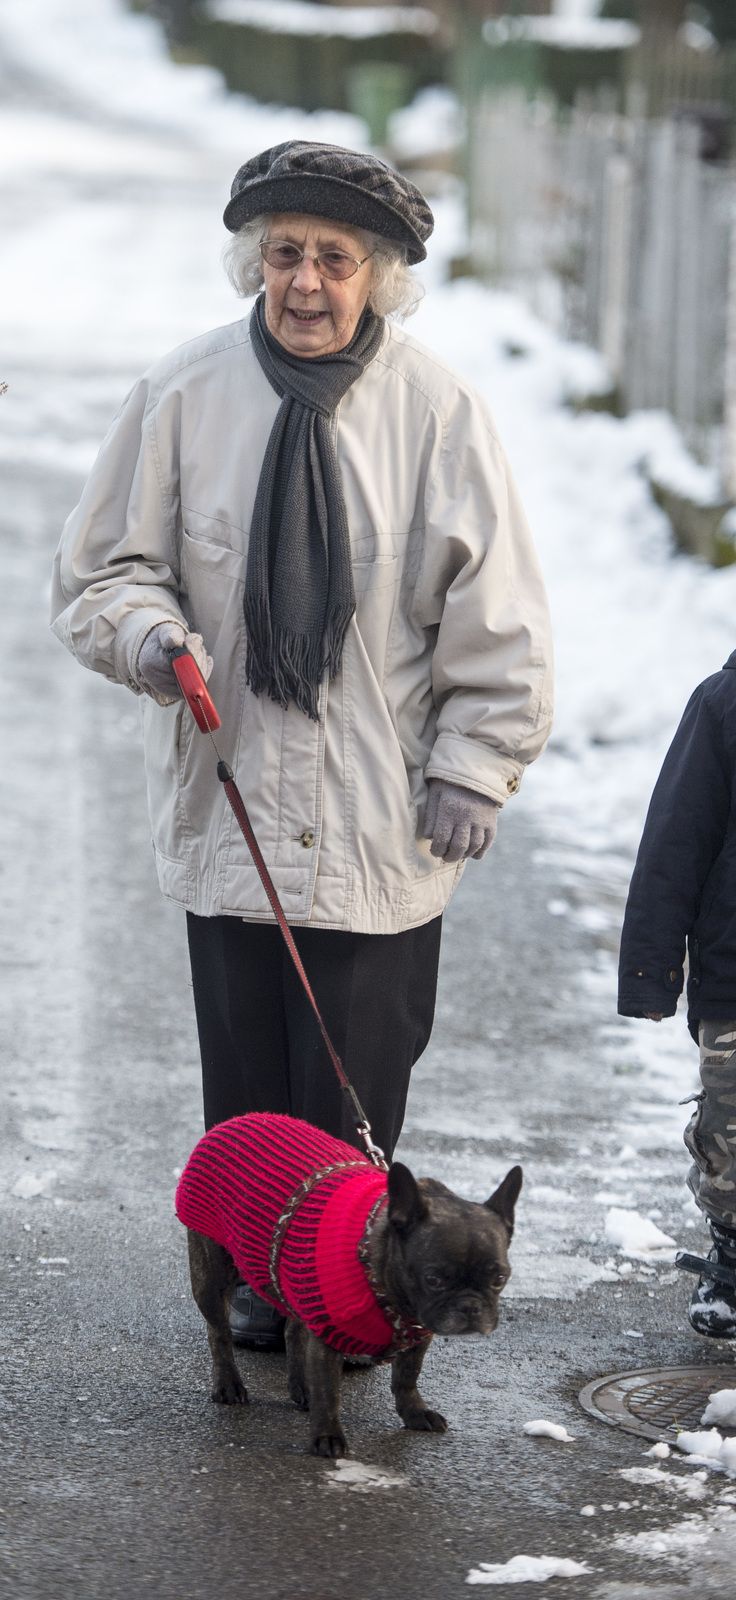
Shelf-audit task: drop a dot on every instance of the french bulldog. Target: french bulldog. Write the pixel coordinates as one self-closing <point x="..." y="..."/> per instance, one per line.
<point x="438" y="1263"/>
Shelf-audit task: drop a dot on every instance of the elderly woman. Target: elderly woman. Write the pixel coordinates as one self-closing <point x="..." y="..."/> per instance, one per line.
<point x="322" y="511"/>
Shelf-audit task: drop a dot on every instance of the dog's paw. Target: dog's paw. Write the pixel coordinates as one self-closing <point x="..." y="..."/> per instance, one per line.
<point x="332" y="1445"/>
<point x="422" y="1420"/>
<point x="229" y="1391"/>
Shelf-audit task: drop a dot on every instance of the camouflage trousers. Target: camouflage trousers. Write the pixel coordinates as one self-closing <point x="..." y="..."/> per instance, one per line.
<point x="710" y="1135"/>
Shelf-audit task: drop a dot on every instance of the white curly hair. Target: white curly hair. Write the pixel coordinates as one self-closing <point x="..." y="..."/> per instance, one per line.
<point x="394" y="291"/>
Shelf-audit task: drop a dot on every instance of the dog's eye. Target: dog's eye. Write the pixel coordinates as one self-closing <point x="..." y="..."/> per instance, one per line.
<point x="433" y="1280"/>
<point x="498" y="1278"/>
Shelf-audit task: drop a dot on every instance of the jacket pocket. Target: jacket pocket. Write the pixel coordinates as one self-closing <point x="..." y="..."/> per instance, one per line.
<point x="214" y="530"/>
<point x="376" y="585"/>
<point x="212" y="557"/>
<point x="381" y="573"/>
<point x="213" y="581"/>
<point x="376" y="561"/>
<point x="166" y="736"/>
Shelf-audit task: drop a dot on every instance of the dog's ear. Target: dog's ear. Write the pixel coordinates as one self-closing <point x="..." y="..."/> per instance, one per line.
<point x="405" y="1204"/>
<point x="505" y="1197"/>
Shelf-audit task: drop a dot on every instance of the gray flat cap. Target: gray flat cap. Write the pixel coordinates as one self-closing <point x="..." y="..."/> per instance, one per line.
<point x="325" y="180"/>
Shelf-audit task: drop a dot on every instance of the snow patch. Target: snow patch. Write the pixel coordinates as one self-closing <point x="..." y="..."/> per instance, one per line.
<point x="549" y="1430"/>
<point x="708" y="1446"/>
<point x="565" y="32"/>
<point x="362" y="1478"/>
<point x="685" y="1538"/>
<point x="638" y="1236"/>
<point x="691" y="1488"/>
<point x="32" y="1184"/>
<point x="434" y="121"/>
<point x="721" y="1408"/>
<point x="670" y="463"/>
<point x="527" y="1569"/>
<point x="303" y="17"/>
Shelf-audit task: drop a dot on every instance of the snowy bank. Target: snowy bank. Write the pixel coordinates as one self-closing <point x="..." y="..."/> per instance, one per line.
<point x="564" y="32"/>
<point x="301" y="17"/>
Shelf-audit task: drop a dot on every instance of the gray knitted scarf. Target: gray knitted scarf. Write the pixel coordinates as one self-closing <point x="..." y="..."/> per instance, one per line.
<point x="299" y="594"/>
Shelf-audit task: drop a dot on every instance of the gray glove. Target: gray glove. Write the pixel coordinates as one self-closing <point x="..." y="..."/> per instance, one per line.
<point x="154" y="672"/>
<point x="460" y="822"/>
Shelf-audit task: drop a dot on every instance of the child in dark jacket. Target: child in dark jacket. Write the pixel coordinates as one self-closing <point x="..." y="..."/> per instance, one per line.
<point x="683" y="892"/>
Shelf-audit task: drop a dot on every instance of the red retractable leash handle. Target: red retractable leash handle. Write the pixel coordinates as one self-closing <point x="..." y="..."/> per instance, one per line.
<point x="204" y="711"/>
<point x="194" y="689"/>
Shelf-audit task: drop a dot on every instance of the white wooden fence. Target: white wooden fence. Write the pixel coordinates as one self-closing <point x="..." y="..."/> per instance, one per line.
<point x="615" y="229"/>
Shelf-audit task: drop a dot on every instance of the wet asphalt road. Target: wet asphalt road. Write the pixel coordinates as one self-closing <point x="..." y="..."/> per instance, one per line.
<point x="120" y="1478"/>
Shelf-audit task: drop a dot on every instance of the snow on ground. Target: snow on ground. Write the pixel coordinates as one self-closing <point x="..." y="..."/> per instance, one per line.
<point x="708" y="1445"/>
<point x="304" y="17"/>
<point x="568" y="31"/>
<point x="638" y="1236"/>
<point x="124" y="72"/>
<point x="361" y="1478"/>
<point x="721" y="1408"/>
<point x="689" y="1487"/>
<point x="30" y="1184"/>
<point x="578" y="9"/>
<point x="683" y="1541"/>
<point x="527" y="1569"/>
<point x="541" y="1429"/>
<point x="114" y="165"/>
<point x="436" y="108"/>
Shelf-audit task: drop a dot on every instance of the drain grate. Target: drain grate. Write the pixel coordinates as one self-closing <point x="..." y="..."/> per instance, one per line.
<point x="659" y="1402"/>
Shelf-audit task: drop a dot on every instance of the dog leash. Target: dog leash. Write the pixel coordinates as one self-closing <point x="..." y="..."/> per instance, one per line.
<point x="204" y="711"/>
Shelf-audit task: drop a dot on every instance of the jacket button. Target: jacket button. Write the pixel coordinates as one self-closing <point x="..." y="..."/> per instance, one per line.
<point x="307" y="839"/>
<point x="640" y="973"/>
<point x="673" y="974"/>
<point x="512" y="785"/>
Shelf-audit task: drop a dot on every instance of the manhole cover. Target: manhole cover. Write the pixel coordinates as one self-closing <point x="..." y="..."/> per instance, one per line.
<point x="658" y="1402"/>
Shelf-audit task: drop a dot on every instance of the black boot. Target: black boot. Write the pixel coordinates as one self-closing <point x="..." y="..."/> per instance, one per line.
<point x="253" y="1322"/>
<point x="712" y="1308"/>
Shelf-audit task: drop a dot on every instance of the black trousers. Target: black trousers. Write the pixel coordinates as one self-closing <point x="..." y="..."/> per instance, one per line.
<point x="260" y="1044"/>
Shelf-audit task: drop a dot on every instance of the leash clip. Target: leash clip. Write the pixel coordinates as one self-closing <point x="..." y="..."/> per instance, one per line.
<point x="375" y="1152"/>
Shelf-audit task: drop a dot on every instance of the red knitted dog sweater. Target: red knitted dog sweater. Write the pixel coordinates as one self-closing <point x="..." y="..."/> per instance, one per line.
<point x="291" y="1205"/>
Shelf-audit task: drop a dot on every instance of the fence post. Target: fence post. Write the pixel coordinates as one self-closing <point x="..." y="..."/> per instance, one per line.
<point x="616" y="261"/>
<point x="685" y="396"/>
<point x="728" y="467"/>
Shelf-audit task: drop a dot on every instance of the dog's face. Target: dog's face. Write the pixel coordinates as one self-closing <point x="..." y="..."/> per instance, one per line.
<point x="445" y="1260"/>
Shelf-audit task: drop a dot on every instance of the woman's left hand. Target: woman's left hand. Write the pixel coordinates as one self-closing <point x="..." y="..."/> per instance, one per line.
<point x="154" y="671"/>
<point x="460" y="822"/>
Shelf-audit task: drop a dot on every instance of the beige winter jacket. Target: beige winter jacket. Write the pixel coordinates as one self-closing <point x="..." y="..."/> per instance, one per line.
<point x="446" y="669"/>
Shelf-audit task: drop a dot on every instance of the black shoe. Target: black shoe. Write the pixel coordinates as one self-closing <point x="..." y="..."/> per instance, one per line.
<point x="712" y="1308"/>
<point x="253" y="1322"/>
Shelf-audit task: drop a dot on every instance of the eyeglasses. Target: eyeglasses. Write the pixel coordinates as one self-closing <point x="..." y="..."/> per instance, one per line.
<point x="287" y="257"/>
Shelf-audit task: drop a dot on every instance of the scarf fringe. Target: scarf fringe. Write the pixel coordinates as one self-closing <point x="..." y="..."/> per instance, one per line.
<point x="290" y="666"/>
